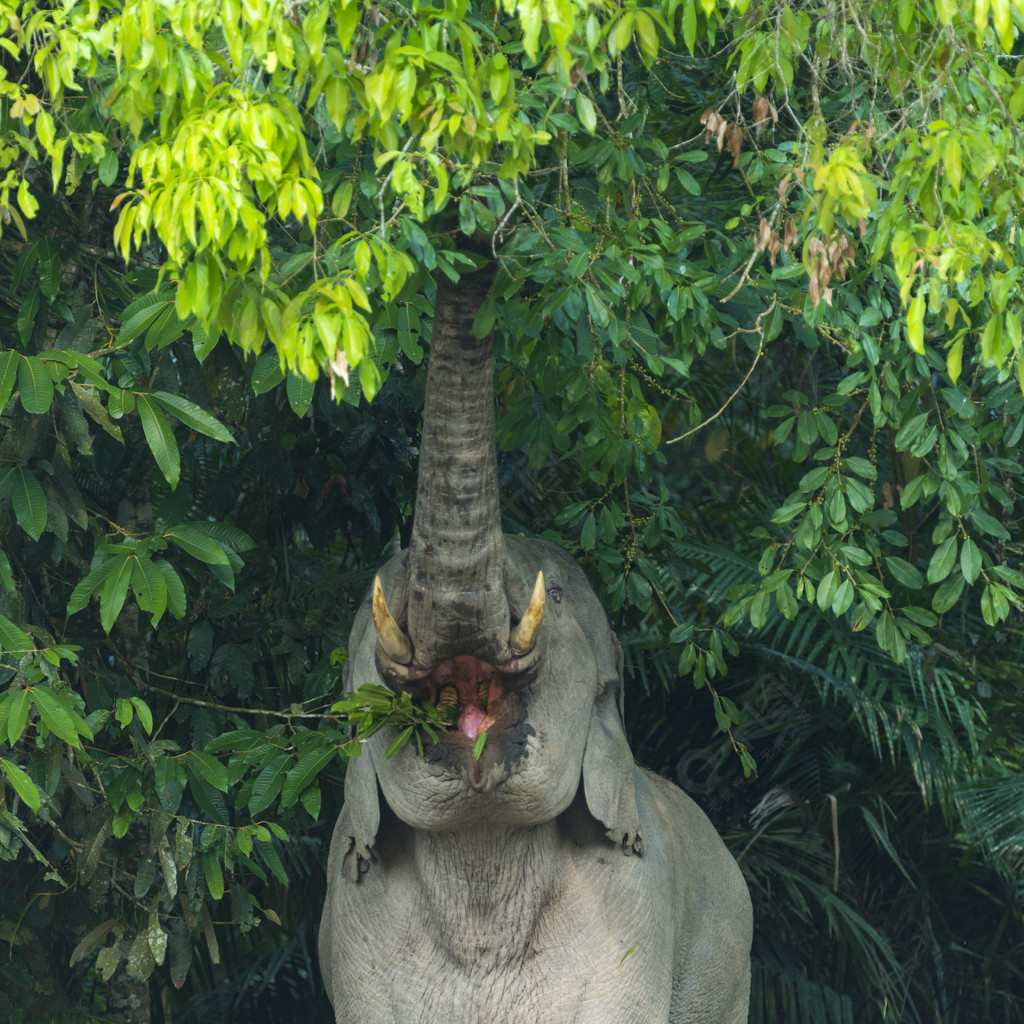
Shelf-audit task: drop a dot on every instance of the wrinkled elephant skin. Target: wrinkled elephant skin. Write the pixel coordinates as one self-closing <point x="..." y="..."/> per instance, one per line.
<point x="552" y="881"/>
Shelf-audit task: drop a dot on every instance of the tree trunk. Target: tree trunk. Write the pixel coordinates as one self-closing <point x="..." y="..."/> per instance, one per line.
<point x="128" y="997"/>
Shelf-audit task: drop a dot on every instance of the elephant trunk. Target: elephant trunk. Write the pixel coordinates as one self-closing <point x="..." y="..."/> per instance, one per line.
<point x="457" y="587"/>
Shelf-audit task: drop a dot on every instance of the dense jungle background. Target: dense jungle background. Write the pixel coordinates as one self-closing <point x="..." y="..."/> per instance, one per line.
<point x="758" y="323"/>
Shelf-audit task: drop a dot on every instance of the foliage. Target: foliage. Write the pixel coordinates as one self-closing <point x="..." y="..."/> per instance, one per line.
<point x="758" y="320"/>
<point x="370" y="707"/>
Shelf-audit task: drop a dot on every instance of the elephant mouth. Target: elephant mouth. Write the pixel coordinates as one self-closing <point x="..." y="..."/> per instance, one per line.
<point x="473" y="691"/>
<point x="474" y="695"/>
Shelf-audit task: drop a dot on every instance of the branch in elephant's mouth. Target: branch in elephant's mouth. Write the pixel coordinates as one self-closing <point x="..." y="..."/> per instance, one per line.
<point x="473" y="688"/>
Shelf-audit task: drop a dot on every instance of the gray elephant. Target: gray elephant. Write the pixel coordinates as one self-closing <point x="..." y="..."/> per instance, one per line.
<point x="551" y="880"/>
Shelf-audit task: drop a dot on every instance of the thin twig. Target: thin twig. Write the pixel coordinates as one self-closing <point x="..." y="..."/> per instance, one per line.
<point x="739" y="388"/>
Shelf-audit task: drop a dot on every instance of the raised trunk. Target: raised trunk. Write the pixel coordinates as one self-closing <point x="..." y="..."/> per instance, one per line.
<point x="457" y="602"/>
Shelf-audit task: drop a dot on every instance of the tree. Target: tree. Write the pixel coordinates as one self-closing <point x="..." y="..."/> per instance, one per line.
<point x="787" y="231"/>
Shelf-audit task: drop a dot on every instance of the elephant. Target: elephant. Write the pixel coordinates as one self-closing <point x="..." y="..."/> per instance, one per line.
<point x="551" y="880"/>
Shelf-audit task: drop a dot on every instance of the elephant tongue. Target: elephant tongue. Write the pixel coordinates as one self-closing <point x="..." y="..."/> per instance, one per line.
<point x="477" y="694"/>
<point x="473" y="720"/>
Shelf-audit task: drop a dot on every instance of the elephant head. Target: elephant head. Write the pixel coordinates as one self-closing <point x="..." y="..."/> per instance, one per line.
<point x="504" y="629"/>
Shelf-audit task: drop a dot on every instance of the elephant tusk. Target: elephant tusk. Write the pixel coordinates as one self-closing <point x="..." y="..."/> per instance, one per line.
<point x="524" y="634"/>
<point x="395" y="643"/>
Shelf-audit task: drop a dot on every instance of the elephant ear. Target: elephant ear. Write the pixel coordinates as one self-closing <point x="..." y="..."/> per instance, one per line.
<point x="608" y="772"/>
<point x="360" y="816"/>
<point x="359" y="820"/>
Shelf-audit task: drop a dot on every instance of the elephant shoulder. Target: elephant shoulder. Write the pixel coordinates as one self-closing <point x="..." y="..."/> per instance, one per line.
<point x="698" y="855"/>
<point x="713" y="912"/>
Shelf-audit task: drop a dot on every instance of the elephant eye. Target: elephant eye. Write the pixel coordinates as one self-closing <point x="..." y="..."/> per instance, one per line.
<point x="556" y="594"/>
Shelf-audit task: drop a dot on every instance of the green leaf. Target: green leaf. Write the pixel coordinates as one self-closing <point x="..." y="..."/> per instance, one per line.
<point x="149" y="586"/>
<point x="17" y="716"/>
<point x="955" y="360"/>
<point x="987" y="524"/>
<point x="915" y="323"/>
<point x="6" y="576"/>
<point x="91" y="405"/>
<point x="911" y="431"/>
<point x="206" y="795"/>
<point x="214" y="874"/>
<point x="305" y="771"/>
<point x="994" y="605"/>
<point x="12" y="639"/>
<point x="140" y="315"/>
<point x="942" y="561"/>
<point x="145" y="715"/>
<point x="905" y="573"/>
<point x="273" y="861"/>
<point x="115" y="590"/>
<point x="478" y="747"/>
<point x="160" y="438"/>
<point x="55" y="716"/>
<point x="267" y="373"/>
<point x="8" y="375"/>
<point x="27" y="313"/>
<point x="22" y="784"/>
<point x="827" y="589"/>
<point x="192" y="416"/>
<point x="231" y="538"/>
<point x="268" y="783"/>
<point x="176" y="601"/>
<point x="210" y="769"/>
<point x="197" y="544"/>
<point x="300" y="393"/>
<point x="587" y="115"/>
<point x="29" y="502"/>
<point x="948" y="594"/>
<point x="107" y="168"/>
<point x="311" y="799"/>
<point x="92" y="581"/>
<point x="970" y="560"/>
<point x="399" y="741"/>
<point x="35" y="385"/>
<point x="91" y="941"/>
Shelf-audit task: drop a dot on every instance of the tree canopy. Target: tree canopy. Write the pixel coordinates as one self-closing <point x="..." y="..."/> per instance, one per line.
<point x="758" y="322"/>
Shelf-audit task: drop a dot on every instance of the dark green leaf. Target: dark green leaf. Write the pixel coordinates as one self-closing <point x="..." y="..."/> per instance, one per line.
<point x="269" y="782"/>
<point x="35" y="385"/>
<point x="17" y="716"/>
<point x="192" y="416"/>
<point x="21" y="784"/>
<point x="12" y="639"/>
<point x="150" y="587"/>
<point x="942" y="561"/>
<point x="140" y="315"/>
<point x="160" y="438"/>
<point x="115" y="590"/>
<point x="176" y="603"/>
<point x="970" y="560"/>
<point x="197" y="544"/>
<point x="267" y="373"/>
<point x="55" y="716"/>
<point x="905" y="573"/>
<point x="948" y="594"/>
<point x="300" y="393"/>
<point x="305" y="771"/>
<point x="91" y="583"/>
<point x="9" y="361"/>
<point x="210" y="769"/>
<point x="214" y="874"/>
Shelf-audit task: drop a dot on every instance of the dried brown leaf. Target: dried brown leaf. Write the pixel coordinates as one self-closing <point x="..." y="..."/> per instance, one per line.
<point x="734" y="142"/>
